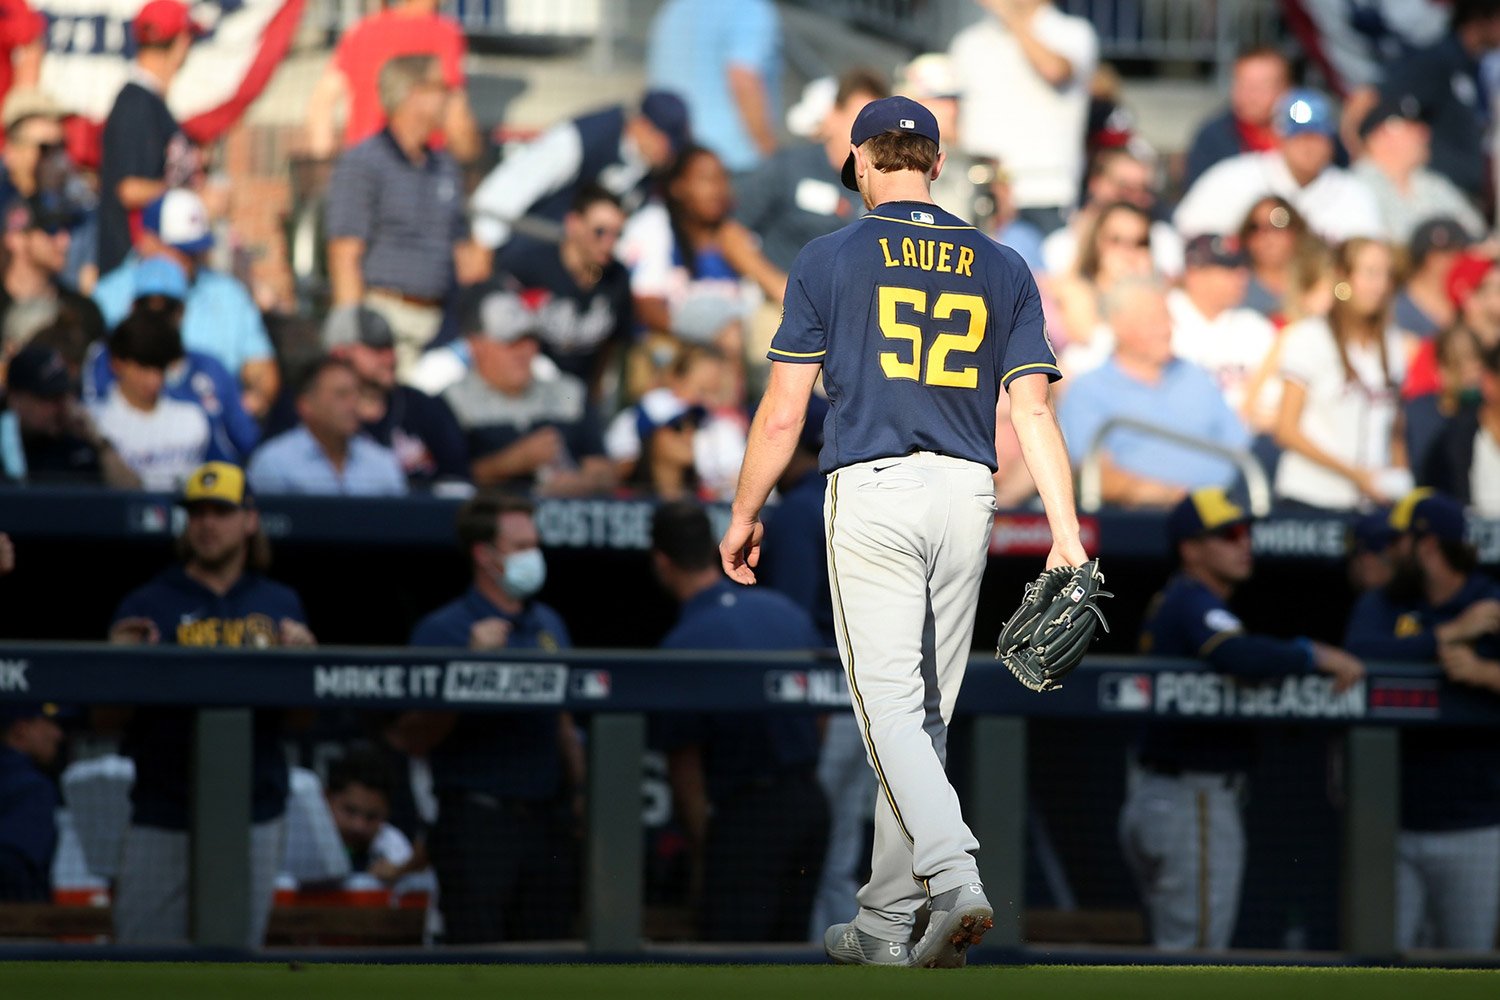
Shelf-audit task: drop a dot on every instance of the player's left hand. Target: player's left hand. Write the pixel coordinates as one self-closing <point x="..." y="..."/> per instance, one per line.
<point x="1067" y="554"/>
<point x="740" y="550"/>
<point x="293" y="633"/>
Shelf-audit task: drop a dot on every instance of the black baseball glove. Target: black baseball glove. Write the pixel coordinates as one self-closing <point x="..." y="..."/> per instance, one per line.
<point x="1051" y="630"/>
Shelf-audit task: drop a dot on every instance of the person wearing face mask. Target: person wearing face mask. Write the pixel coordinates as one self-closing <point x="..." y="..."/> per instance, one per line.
<point x="504" y="867"/>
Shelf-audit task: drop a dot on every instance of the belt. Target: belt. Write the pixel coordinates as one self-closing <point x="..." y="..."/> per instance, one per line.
<point x="411" y="300"/>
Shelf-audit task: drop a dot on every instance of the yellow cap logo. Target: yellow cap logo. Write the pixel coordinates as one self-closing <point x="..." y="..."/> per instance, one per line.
<point x="216" y="482"/>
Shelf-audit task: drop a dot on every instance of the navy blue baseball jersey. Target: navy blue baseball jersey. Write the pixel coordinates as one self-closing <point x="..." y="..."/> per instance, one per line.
<point x="160" y="740"/>
<point x="919" y="321"/>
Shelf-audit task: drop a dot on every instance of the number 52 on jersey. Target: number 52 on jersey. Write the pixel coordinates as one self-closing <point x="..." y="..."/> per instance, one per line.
<point x="939" y="369"/>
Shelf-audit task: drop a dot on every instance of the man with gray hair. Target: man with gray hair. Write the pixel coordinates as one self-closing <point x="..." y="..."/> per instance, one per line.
<point x="396" y="227"/>
<point x="1143" y="381"/>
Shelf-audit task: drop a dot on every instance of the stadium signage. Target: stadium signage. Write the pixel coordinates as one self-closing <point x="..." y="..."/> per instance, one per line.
<point x="506" y="683"/>
<point x="1030" y="535"/>
<point x="461" y="682"/>
<point x="1194" y="694"/>
<point x="594" y="524"/>
<point x="13" y="676"/>
<point x="1317" y="538"/>
<point x="807" y="687"/>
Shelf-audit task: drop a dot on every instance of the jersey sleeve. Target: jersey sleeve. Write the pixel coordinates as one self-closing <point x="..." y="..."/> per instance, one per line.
<point x="1027" y="349"/>
<point x="1206" y="623"/>
<point x="801" y="338"/>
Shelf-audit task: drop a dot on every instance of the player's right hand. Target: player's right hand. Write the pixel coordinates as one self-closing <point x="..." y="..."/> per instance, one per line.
<point x="489" y="633"/>
<point x="1345" y="668"/>
<point x="739" y="551"/>
<point x="134" y="632"/>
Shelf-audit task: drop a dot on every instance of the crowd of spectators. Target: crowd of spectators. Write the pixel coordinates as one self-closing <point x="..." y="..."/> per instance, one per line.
<point x="1315" y="290"/>
<point x="1312" y="284"/>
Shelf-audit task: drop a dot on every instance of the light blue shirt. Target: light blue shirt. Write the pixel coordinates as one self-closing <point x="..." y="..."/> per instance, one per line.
<point x="1185" y="400"/>
<point x="219" y="317"/>
<point x="693" y="44"/>
<point x="295" y="463"/>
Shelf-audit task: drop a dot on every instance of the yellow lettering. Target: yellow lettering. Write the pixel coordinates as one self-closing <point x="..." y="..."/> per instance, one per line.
<point x="928" y="250"/>
<point x="234" y="632"/>
<point x="885" y="248"/>
<point x="965" y="262"/>
<point x="944" y="249"/>
<point x="908" y="252"/>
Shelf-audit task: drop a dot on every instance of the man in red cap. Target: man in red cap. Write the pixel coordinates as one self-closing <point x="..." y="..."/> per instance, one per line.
<point x="145" y="151"/>
<point x="1473" y="286"/>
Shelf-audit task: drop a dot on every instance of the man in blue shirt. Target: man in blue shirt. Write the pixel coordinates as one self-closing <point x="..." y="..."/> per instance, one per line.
<point x="725" y="61"/>
<point x="1143" y="381"/>
<point x="1437" y="608"/>
<point x="161" y="288"/>
<point x="29" y="741"/>
<point x="219" y="317"/>
<point x="1181" y="828"/>
<point x="328" y="452"/>
<point x="743" y="786"/>
<point x="216" y="597"/>
<point x="504" y="858"/>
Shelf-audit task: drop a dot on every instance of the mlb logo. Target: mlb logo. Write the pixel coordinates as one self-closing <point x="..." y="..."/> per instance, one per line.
<point x="592" y="684"/>
<point x="1125" y="692"/>
<point x="786" y="686"/>
<point x="926" y="217"/>
<point x="908" y="123"/>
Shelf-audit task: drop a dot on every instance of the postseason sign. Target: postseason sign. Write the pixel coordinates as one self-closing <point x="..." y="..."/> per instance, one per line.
<point x="90" y="46"/>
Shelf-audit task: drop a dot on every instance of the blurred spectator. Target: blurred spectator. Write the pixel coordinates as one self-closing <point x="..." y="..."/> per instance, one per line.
<point x="1428" y="416"/>
<point x="46" y="435"/>
<point x="585" y="311"/>
<point x="1369" y="543"/>
<point x="1397" y="147"/>
<point x="1213" y="331"/>
<point x="1031" y="59"/>
<point x="1437" y="609"/>
<point x="328" y="452"/>
<point x="1117" y="248"/>
<point x="1182" y="826"/>
<point x="1111" y="125"/>
<point x="1473" y="287"/>
<point x="930" y="81"/>
<point x="359" y="798"/>
<point x="1006" y="225"/>
<point x="1144" y="382"/>
<point x="1423" y="306"/>
<point x="1261" y="76"/>
<point x="29" y="742"/>
<point x="794" y="562"/>
<point x="1115" y="175"/>
<point x="37" y="165"/>
<point x="32" y="293"/>
<point x="1446" y="79"/>
<point x="395" y="214"/>
<point x="527" y="423"/>
<point x="1336" y="205"/>
<point x="352" y="79"/>
<point x="1274" y="235"/>
<point x="725" y="61"/>
<point x="690" y="247"/>
<point x="743" y="786"/>
<point x="161" y="287"/>
<point x="145" y="152"/>
<point x="419" y="428"/>
<point x="504" y="869"/>
<point x="216" y="597"/>
<point x="1338" y="421"/>
<point x="22" y="43"/>
<point x="617" y="148"/>
<point x="162" y="439"/>
<point x="1464" y="461"/>
<point x="219" y="317"/>
<point x="672" y="441"/>
<point x="795" y="196"/>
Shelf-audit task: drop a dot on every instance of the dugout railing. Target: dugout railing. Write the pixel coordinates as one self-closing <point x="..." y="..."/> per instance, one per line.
<point x="616" y="690"/>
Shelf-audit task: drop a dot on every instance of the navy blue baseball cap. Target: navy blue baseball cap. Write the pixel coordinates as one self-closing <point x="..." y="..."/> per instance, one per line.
<point x="19" y="711"/>
<point x="1202" y="512"/>
<point x="889" y="114"/>
<point x="1371" y="532"/>
<point x="669" y="114"/>
<point x="1428" y="512"/>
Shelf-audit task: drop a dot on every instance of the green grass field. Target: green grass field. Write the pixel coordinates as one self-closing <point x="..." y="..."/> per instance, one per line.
<point x="121" y="981"/>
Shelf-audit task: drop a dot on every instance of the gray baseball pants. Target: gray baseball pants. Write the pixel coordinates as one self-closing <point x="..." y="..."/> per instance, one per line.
<point x="907" y="539"/>
<point x="1448" y="889"/>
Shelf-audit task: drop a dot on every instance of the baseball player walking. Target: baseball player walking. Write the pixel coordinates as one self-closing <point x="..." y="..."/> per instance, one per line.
<point x="916" y="321"/>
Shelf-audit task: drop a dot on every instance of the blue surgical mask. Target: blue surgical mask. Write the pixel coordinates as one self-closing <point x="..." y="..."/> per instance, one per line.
<point x="525" y="572"/>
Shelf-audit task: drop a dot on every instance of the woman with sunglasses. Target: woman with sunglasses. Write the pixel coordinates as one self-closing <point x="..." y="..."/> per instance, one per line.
<point x="1275" y="236"/>
<point x="1118" y="246"/>
<point x="1339" y="420"/>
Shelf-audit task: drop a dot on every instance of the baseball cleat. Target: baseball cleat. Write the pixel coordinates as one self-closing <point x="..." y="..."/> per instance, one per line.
<point x="848" y="945"/>
<point x="959" y="920"/>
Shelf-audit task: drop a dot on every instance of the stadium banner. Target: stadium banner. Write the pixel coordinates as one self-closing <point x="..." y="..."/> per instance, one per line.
<point x="90" y="46"/>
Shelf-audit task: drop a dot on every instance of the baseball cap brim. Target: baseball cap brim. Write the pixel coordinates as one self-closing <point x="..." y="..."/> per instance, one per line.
<point x="847" y="175"/>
